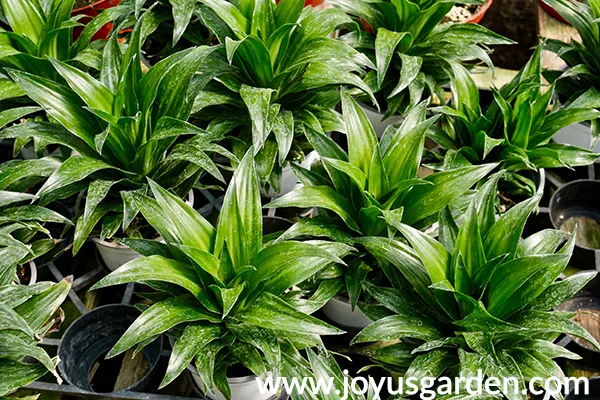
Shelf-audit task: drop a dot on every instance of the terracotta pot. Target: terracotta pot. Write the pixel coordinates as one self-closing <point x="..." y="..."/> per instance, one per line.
<point x="552" y="11"/>
<point x="307" y="3"/>
<point x="92" y="11"/>
<point x="475" y="19"/>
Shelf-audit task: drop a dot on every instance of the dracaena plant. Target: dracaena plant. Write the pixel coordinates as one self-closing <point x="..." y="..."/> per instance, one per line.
<point x="23" y="237"/>
<point x="409" y="45"/>
<point x="516" y="130"/>
<point x="372" y="180"/>
<point x="475" y="297"/>
<point x="582" y="57"/>
<point x="124" y="127"/>
<point x="226" y="294"/>
<point x="179" y="27"/>
<point x="27" y="314"/>
<point x="278" y="74"/>
<point x="41" y="29"/>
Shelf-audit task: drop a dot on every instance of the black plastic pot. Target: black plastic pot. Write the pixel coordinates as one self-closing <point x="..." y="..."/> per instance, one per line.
<point x="594" y="390"/>
<point x="577" y="203"/>
<point x="92" y="336"/>
<point x="590" y="357"/>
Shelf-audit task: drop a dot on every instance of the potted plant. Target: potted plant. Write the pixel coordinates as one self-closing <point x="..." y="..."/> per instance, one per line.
<point x="374" y="179"/>
<point x="575" y="83"/>
<point x="481" y="298"/>
<point x="515" y="131"/>
<point x="88" y="10"/>
<point x="279" y="73"/>
<point x="28" y="313"/>
<point x="23" y="237"/>
<point x="410" y="48"/>
<point x="123" y="127"/>
<point x="29" y="43"/>
<point x="468" y="13"/>
<point x="224" y="292"/>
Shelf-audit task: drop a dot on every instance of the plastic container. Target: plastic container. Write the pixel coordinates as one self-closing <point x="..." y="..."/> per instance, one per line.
<point x="339" y="311"/>
<point x="576" y="204"/>
<point x="92" y="336"/>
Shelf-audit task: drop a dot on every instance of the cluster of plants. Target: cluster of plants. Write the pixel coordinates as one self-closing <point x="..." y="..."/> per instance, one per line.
<point x="231" y="95"/>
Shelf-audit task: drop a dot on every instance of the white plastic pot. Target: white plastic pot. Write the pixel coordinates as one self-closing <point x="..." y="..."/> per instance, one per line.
<point x="245" y="388"/>
<point x="579" y="135"/>
<point x="33" y="273"/>
<point x="114" y="254"/>
<point x="289" y="182"/>
<point x="377" y="121"/>
<point x="339" y="310"/>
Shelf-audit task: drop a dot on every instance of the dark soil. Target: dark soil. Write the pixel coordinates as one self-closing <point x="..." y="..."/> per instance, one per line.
<point x="24" y="274"/>
<point x="517" y="20"/>
<point x="83" y="3"/>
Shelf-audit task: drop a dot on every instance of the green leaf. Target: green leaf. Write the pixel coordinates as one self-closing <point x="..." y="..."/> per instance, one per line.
<point x="12" y="321"/>
<point x="543" y="242"/>
<point x="270" y="312"/>
<point x="397" y="327"/>
<point x="190" y="227"/>
<point x="60" y="103"/>
<point x="13" y="114"/>
<point x="352" y="171"/>
<point x="229" y="297"/>
<point x="71" y="171"/>
<point x="154" y="268"/>
<point x="362" y="140"/>
<point x="284" y="264"/>
<point x="469" y="244"/>
<point x="386" y="43"/>
<point x="7" y="198"/>
<point x="411" y="67"/>
<point x="318" y="196"/>
<point x="433" y="255"/>
<point x="403" y="258"/>
<point x="84" y="228"/>
<point x="426" y="200"/>
<point x="50" y="133"/>
<point x="230" y="15"/>
<point x="32" y="213"/>
<point x="403" y="153"/>
<point x="159" y="318"/>
<point x="240" y="222"/>
<point x="283" y="128"/>
<point x="205" y="360"/>
<point x="561" y="291"/>
<point x="552" y="322"/>
<point x="514" y="276"/>
<point x="258" y="102"/>
<point x="38" y="310"/>
<point x="194" y="338"/>
<point x="16" y="374"/>
<point x="503" y="237"/>
<point x="93" y="92"/>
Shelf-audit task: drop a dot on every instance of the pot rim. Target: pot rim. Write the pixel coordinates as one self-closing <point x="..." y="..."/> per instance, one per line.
<point x="553" y="200"/>
<point x="115" y="245"/>
<point x="111" y="3"/>
<point x="478" y="16"/>
<point x="73" y="326"/>
<point x="569" y="339"/>
<point x="245" y="379"/>
<point x="33" y="272"/>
